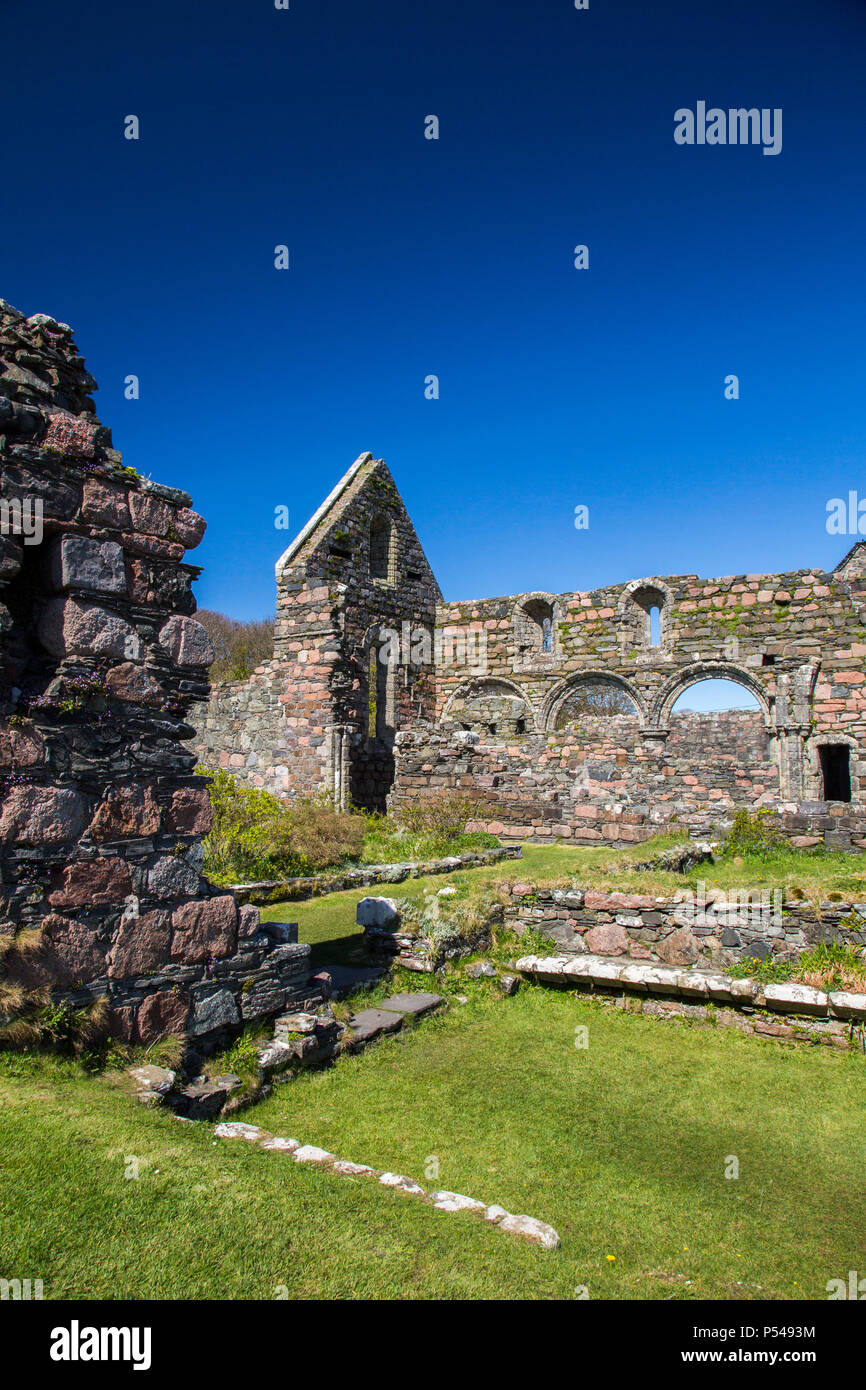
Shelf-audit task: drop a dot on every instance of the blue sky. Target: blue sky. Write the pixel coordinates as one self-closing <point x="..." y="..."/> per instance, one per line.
<point x="410" y="257"/>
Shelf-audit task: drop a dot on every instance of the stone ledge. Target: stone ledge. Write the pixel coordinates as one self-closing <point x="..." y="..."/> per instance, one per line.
<point x="788" y="998"/>
<point x="318" y="885"/>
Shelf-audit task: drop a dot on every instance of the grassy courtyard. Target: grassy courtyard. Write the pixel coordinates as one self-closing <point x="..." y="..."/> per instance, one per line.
<point x="622" y="1146"/>
<point x="328" y="923"/>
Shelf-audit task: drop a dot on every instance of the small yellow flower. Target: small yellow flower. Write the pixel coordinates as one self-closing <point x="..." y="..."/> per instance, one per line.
<point x="610" y="1257"/>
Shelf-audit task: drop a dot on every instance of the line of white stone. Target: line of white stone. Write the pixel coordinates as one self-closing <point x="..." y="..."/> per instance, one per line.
<point x="696" y="984"/>
<point x="528" y="1226"/>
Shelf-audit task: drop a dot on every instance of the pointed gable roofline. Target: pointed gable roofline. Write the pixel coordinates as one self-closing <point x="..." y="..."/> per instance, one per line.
<point x="318" y="516"/>
<point x="856" y="549"/>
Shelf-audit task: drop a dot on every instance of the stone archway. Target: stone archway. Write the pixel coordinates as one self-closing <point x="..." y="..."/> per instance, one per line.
<point x="557" y="697"/>
<point x="660" y="710"/>
<point x="515" y="705"/>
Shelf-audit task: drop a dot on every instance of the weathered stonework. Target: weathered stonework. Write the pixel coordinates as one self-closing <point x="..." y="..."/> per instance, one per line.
<point x="101" y="666"/>
<point x="684" y="930"/>
<point x="500" y="700"/>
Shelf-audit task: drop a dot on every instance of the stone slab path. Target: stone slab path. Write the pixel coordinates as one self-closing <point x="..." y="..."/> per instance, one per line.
<point x="388" y="1017"/>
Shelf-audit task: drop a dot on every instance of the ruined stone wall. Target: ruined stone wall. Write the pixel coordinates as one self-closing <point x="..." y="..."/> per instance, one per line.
<point x="102" y="666"/>
<point x="704" y="929"/>
<point x="498" y="703"/>
<point x="597" y="784"/>
<point x="795" y="641"/>
<point x="302" y="724"/>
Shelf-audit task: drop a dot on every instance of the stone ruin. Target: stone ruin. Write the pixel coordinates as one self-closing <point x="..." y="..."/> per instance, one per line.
<point x="103" y="663"/>
<point x="558" y="709"/>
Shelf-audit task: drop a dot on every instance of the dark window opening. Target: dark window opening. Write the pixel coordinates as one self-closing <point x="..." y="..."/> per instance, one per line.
<point x="379" y="712"/>
<point x="380" y="548"/>
<point x="339" y="553"/>
<point x="413" y="576"/>
<point x="26" y="665"/>
<point x="767" y="660"/>
<point x="835" y="760"/>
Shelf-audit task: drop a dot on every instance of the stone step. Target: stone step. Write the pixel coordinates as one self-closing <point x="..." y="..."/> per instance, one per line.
<point x="412" y="1005"/>
<point x="372" y="1023"/>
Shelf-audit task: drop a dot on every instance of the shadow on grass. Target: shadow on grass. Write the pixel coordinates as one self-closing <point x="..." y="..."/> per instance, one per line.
<point x="338" y="950"/>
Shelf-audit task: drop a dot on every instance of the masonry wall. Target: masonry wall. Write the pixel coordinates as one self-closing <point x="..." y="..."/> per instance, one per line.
<point x="498" y="706"/>
<point x="102" y="667"/>
<point x="711" y="932"/>
<point x="302" y="724"/>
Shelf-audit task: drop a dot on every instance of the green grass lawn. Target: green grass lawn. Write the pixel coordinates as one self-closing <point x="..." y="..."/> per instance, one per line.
<point x="621" y="1146"/>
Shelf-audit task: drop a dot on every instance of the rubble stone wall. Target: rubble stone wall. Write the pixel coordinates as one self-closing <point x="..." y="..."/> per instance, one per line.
<point x="691" y="932"/>
<point x="102" y="666"/>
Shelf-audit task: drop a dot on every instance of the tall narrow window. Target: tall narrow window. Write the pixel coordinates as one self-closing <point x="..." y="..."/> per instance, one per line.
<point x="546" y="635"/>
<point x="647" y="615"/>
<point x="379" y="693"/>
<point x="380" y="548"/>
<point x="372" y="692"/>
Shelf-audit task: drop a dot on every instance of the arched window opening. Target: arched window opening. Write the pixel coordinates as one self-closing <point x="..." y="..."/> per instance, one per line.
<point x="380" y="548"/>
<point x="533" y="628"/>
<point x="648" y="615"/>
<point x="594" y="698"/>
<point x="712" y="696"/>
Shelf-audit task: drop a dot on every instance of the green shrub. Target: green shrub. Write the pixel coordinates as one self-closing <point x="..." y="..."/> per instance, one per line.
<point x="255" y="835"/>
<point x="440" y="817"/>
<point x="753" y="833"/>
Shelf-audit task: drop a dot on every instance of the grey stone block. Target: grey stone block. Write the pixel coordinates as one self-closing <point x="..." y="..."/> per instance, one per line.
<point x="76" y="562"/>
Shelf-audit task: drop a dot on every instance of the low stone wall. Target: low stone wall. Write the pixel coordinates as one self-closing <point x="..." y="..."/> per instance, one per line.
<point x="692" y="930"/>
<point x="317" y="885"/>
<point x="811" y="1014"/>
<point x="392" y="937"/>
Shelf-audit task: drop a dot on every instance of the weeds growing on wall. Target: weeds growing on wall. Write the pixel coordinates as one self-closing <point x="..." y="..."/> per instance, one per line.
<point x="827" y="966"/>
<point x="753" y="833"/>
